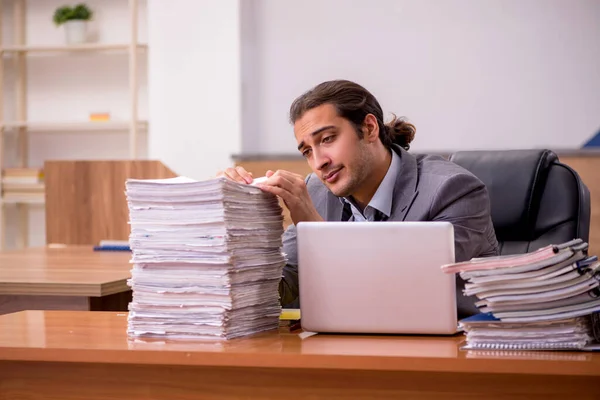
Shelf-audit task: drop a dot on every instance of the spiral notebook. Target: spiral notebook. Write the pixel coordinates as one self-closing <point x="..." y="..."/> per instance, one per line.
<point x="548" y="299"/>
<point x="484" y="331"/>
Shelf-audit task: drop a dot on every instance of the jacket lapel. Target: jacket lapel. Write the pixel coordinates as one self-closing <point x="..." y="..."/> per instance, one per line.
<point x="405" y="190"/>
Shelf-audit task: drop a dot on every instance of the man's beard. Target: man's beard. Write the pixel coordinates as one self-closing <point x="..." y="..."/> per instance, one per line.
<point x="358" y="172"/>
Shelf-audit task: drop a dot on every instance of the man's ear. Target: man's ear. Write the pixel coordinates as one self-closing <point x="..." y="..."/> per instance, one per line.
<point x="370" y="128"/>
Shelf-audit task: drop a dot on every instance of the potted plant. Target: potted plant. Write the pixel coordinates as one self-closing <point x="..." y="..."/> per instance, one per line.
<point x="75" y="21"/>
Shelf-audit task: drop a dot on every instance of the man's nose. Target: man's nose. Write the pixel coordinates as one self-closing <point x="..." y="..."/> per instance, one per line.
<point x="321" y="160"/>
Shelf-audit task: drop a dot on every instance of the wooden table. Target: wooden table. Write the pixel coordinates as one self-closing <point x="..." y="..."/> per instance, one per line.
<point x="70" y="278"/>
<point x="87" y="355"/>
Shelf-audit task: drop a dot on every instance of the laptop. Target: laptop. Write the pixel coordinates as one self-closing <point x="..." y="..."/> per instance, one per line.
<point x="377" y="277"/>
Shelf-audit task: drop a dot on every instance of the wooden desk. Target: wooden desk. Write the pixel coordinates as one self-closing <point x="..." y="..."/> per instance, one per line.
<point x="71" y="278"/>
<point x="87" y="355"/>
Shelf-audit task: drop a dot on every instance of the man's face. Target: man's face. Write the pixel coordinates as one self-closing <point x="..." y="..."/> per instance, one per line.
<point x="333" y="149"/>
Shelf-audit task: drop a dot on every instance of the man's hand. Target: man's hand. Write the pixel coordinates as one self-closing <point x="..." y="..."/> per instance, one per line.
<point x="291" y="188"/>
<point x="237" y="174"/>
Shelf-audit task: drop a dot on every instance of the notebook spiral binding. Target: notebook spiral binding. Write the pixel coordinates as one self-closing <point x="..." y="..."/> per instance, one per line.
<point x="595" y="323"/>
<point x="528" y="346"/>
<point x="563" y="356"/>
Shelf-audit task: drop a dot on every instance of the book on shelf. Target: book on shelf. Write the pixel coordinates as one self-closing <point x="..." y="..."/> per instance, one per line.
<point x="23" y="197"/>
<point x="22" y="176"/>
<point x="548" y="299"/>
<point x="23" y="187"/>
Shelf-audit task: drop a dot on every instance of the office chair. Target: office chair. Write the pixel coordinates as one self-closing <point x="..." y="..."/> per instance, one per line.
<point x="535" y="199"/>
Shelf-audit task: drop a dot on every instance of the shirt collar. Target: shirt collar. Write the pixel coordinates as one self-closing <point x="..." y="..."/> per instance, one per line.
<point x="382" y="199"/>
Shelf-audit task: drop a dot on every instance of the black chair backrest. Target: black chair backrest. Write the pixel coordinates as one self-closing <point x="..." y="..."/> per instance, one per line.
<point x="535" y="199"/>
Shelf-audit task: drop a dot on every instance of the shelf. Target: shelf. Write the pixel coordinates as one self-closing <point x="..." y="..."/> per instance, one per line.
<point x="22" y="200"/>
<point x="69" y="48"/>
<point x="23" y="193"/>
<point x="17" y="187"/>
<point x="72" y="126"/>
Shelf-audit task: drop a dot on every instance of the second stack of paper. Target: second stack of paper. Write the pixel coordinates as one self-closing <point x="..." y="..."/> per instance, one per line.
<point x="542" y="300"/>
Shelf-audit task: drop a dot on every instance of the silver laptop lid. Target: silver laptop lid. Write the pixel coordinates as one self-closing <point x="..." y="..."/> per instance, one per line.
<point x="376" y="277"/>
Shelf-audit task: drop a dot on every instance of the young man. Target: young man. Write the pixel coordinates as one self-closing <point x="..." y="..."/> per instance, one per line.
<point x="362" y="171"/>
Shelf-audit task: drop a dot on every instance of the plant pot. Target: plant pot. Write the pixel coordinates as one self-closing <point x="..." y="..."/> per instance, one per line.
<point x="75" y="31"/>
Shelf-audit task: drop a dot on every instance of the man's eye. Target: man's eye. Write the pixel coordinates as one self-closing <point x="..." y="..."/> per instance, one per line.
<point x="306" y="153"/>
<point x="327" y="139"/>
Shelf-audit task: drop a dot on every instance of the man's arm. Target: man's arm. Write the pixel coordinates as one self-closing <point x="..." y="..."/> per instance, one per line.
<point x="288" y="286"/>
<point x="289" y="289"/>
<point x="463" y="201"/>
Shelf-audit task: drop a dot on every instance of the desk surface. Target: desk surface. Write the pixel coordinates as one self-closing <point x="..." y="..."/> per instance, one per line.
<point x="69" y="271"/>
<point x="100" y="337"/>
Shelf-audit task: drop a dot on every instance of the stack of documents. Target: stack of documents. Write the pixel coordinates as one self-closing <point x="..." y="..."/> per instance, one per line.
<point x="484" y="331"/>
<point x="206" y="257"/>
<point x="540" y="300"/>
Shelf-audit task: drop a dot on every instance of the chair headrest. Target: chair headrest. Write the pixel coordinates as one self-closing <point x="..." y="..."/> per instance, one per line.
<point x="515" y="180"/>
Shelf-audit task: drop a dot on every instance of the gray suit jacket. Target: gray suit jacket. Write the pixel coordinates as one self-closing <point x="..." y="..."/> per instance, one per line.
<point x="428" y="188"/>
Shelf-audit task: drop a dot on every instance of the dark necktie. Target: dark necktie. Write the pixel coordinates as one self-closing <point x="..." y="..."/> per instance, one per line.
<point x="347" y="214"/>
<point x="379" y="216"/>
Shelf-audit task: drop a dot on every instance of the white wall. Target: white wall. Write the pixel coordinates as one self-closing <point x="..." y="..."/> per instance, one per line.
<point x="194" y="83"/>
<point x="468" y="73"/>
<point x="250" y="75"/>
<point x="222" y="74"/>
<point x="68" y="87"/>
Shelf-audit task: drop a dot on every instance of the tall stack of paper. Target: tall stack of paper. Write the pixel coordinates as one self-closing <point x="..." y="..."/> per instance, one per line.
<point x="207" y="258"/>
<point x="539" y="300"/>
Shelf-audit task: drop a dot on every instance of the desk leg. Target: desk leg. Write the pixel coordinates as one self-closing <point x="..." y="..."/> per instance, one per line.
<point x="13" y="303"/>
<point x="113" y="302"/>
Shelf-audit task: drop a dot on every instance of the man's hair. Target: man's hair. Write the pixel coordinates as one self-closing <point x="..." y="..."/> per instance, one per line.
<point x="353" y="102"/>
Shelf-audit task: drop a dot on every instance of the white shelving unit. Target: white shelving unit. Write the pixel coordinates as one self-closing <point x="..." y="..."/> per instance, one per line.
<point x="71" y="48"/>
<point x="60" y="127"/>
<point x="18" y="53"/>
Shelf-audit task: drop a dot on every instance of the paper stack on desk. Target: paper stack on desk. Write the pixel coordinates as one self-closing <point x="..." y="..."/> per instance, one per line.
<point x="207" y="258"/>
<point x="546" y="299"/>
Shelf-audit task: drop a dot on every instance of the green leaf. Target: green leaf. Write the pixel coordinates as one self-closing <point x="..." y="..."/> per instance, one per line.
<point x="65" y="13"/>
